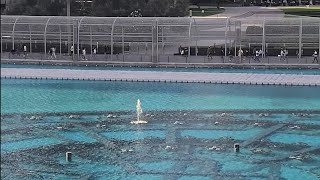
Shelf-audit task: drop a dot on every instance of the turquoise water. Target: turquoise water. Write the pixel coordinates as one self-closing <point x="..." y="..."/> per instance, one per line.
<point x="257" y="71"/>
<point x="161" y="149"/>
<point x="216" y="134"/>
<point x="134" y="135"/>
<point x="78" y="136"/>
<point x="18" y="95"/>
<point x="294" y="138"/>
<point x="26" y="144"/>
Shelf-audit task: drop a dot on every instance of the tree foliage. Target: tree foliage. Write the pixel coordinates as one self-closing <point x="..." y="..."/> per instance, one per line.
<point x="102" y="8"/>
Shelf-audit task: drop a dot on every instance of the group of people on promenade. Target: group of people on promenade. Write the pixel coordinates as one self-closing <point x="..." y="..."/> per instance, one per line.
<point x="84" y="53"/>
<point x="257" y="54"/>
<point x="211" y="51"/>
<point x="17" y="52"/>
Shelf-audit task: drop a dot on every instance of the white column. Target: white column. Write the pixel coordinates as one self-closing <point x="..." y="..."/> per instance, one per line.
<point x="78" y="38"/>
<point x="61" y="40"/>
<point x="300" y="38"/>
<point x="111" y="41"/>
<point x="45" y="37"/>
<point x="1" y="36"/>
<point x="13" y="29"/>
<point x="226" y="37"/>
<point x="91" y="45"/>
<point x="264" y="37"/>
<point x="122" y="43"/>
<point x="189" y="47"/>
<point x="68" y="27"/>
<point x="30" y="40"/>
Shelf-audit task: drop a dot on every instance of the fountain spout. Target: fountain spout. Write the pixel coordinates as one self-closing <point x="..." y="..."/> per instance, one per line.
<point x="139" y="113"/>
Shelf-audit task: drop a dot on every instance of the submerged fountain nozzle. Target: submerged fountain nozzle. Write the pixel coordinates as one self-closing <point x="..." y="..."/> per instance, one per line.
<point x="236" y="147"/>
<point x="68" y="156"/>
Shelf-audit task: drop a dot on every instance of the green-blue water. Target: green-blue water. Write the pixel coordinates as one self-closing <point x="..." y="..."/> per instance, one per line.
<point x="19" y="95"/>
<point x="162" y="148"/>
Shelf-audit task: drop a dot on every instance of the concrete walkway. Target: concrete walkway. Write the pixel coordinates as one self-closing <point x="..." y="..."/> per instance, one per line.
<point x="155" y="76"/>
<point x="247" y="12"/>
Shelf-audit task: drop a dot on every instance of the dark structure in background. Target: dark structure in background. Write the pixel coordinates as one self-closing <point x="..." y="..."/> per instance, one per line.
<point x="103" y="8"/>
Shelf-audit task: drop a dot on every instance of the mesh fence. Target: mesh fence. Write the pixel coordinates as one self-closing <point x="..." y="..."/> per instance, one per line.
<point x="160" y="40"/>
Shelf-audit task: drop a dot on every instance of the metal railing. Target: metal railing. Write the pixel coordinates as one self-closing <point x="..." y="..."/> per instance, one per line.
<point x="160" y="40"/>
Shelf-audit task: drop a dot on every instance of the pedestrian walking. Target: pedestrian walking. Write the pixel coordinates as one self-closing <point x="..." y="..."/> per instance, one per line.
<point x="209" y="52"/>
<point x="94" y="52"/>
<point x="71" y="50"/>
<point x="240" y="54"/>
<point x="84" y="54"/>
<point x="286" y="52"/>
<point x="257" y="56"/>
<point x="50" y="53"/>
<point x="230" y="55"/>
<point x="25" y="51"/>
<point x="54" y="52"/>
<point x="281" y="55"/>
<point x="222" y="53"/>
<point x="315" y="56"/>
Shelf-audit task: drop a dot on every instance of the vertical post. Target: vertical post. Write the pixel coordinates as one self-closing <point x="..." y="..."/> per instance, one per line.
<point x="78" y="25"/>
<point x="300" y="38"/>
<point x="1" y="37"/>
<point x="111" y="40"/>
<point x="60" y="42"/>
<point x="162" y="39"/>
<point x="230" y="40"/>
<point x="226" y="37"/>
<point x="235" y="39"/>
<point x="189" y="47"/>
<point x="13" y="29"/>
<point x="319" y="41"/>
<point x="240" y="39"/>
<point x="68" y="27"/>
<point x="157" y="41"/>
<point x="196" y="32"/>
<point x="91" y="45"/>
<point x="122" y="36"/>
<point x="45" y="37"/>
<point x="76" y="33"/>
<point x="264" y="38"/>
<point x="154" y="45"/>
<point x="30" y="40"/>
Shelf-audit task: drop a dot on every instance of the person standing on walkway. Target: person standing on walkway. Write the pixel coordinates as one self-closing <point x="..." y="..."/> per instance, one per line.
<point x="230" y="55"/>
<point x="71" y="50"/>
<point x="94" y="52"/>
<point x="240" y="54"/>
<point x="286" y="52"/>
<point x="209" y="52"/>
<point x="84" y="54"/>
<point x="315" y="56"/>
<point x="50" y="53"/>
<point x="222" y="53"/>
<point x="257" y="56"/>
<point x="54" y="52"/>
<point x="25" y="51"/>
<point x="281" y="55"/>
